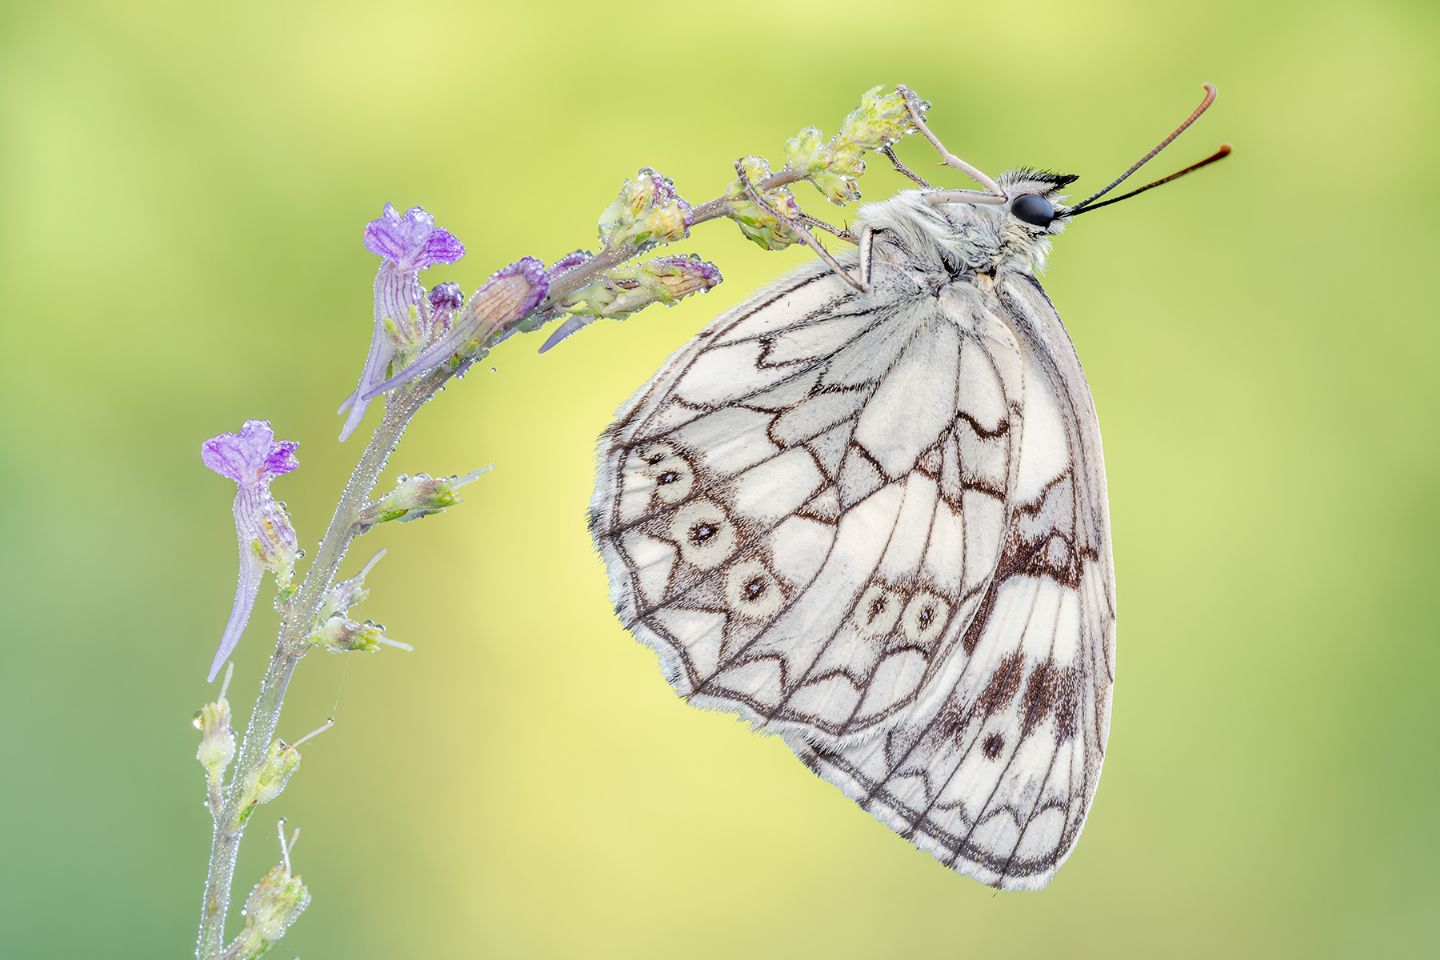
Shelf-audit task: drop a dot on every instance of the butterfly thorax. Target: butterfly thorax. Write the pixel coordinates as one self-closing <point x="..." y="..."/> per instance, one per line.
<point x="962" y="238"/>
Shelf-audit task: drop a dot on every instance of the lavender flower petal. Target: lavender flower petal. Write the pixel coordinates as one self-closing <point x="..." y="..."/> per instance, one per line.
<point x="412" y="241"/>
<point x="442" y="246"/>
<point x="383" y="236"/>
<point x="281" y="459"/>
<point x="247" y="587"/>
<point x="250" y="455"/>
<point x="381" y="350"/>
<point x="574" y="324"/>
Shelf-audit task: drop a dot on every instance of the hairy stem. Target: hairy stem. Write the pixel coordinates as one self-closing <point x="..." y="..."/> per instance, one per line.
<point x="265" y="718"/>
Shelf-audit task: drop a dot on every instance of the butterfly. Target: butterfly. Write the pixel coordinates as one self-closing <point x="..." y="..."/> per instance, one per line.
<point x="866" y="511"/>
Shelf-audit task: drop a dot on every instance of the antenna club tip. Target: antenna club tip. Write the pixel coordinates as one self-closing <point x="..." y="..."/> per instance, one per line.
<point x="1224" y="150"/>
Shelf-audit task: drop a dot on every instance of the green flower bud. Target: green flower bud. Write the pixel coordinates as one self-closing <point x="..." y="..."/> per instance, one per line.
<point x="268" y="780"/>
<point x="647" y="211"/>
<point x="416" y="497"/>
<point x="880" y="120"/>
<point x="217" y="739"/>
<point x="274" y="904"/>
<point x="833" y="166"/>
<point x="340" y="634"/>
<point x="758" y="224"/>
<point x="806" y="151"/>
<point x="623" y="290"/>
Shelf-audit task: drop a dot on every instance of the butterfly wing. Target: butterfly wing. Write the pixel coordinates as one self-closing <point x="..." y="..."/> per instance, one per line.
<point x="994" y="771"/>
<point x="803" y="511"/>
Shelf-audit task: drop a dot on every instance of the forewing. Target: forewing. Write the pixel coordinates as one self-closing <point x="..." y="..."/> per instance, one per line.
<point x="802" y="511"/>
<point x="994" y="771"/>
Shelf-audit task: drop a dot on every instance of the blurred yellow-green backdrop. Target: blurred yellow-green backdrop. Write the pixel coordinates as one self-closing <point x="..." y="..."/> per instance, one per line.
<point x="184" y="187"/>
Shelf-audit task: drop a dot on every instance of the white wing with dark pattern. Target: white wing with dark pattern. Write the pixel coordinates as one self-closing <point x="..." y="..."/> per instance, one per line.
<point x="802" y="512"/>
<point x="994" y="771"/>
<point x="876" y="524"/>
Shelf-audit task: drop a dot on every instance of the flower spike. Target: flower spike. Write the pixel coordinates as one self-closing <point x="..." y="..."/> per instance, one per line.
<point x="252" y="458"/>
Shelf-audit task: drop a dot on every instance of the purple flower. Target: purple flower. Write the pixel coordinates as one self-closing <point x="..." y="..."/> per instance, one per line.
<point x="252" y="455"/>
<point x="407" y="245"/>
<point x="507" y="297"/>
<point x="252" y="458"/>
<point x="446" y="296"/>
<point x="677" y="277"/>
<point x="411" y="242"/>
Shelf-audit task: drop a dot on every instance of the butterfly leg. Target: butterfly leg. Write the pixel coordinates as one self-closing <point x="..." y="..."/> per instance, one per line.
<point x="798" y="230"/>
<point x="867" y="245"/>
<point x="992" y="192"/>
<point x="889" y="151"/>
<point x="818" y="224"/>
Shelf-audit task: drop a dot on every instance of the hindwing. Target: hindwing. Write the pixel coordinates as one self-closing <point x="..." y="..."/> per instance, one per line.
<point x="995" y="773"/>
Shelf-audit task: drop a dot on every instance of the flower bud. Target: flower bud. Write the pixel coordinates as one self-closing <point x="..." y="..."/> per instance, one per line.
<point x="267" y="780"/>
<point x="272" y="907"/>
<point x="669" y="279"/>
<point x="217" y="739"/>
<point x="446" y="296"/>
<point x="833" y="166"/>
<point x="415" y="497"/>
<point x="758" y="224"/>
<point x="805" y="152"/>
<point x="880" y="120"/>
<point x="623" y="290"/>
<point x="340" y="634"/>
<point x="347" y="593"/>
<point x="647" y="211"/>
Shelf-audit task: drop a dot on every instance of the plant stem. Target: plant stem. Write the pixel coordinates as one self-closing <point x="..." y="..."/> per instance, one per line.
<point x="265" y="718"/>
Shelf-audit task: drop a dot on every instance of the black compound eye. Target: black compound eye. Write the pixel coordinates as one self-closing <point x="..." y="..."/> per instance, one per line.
<point x="1033" y="209"/>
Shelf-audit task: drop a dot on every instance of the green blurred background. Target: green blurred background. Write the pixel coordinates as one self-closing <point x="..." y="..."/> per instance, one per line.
<point x="184" y="187"/>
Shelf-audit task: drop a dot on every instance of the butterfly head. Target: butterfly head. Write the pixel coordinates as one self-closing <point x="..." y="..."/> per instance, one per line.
<point x="1033" y="199"/>
<point x="1007" y="224"/>
<point x="1033" y="211"/>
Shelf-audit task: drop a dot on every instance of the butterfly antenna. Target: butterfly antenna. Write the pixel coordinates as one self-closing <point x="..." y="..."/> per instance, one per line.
<point x="1194" y="115"/>
<point x="1220" y="154"/>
